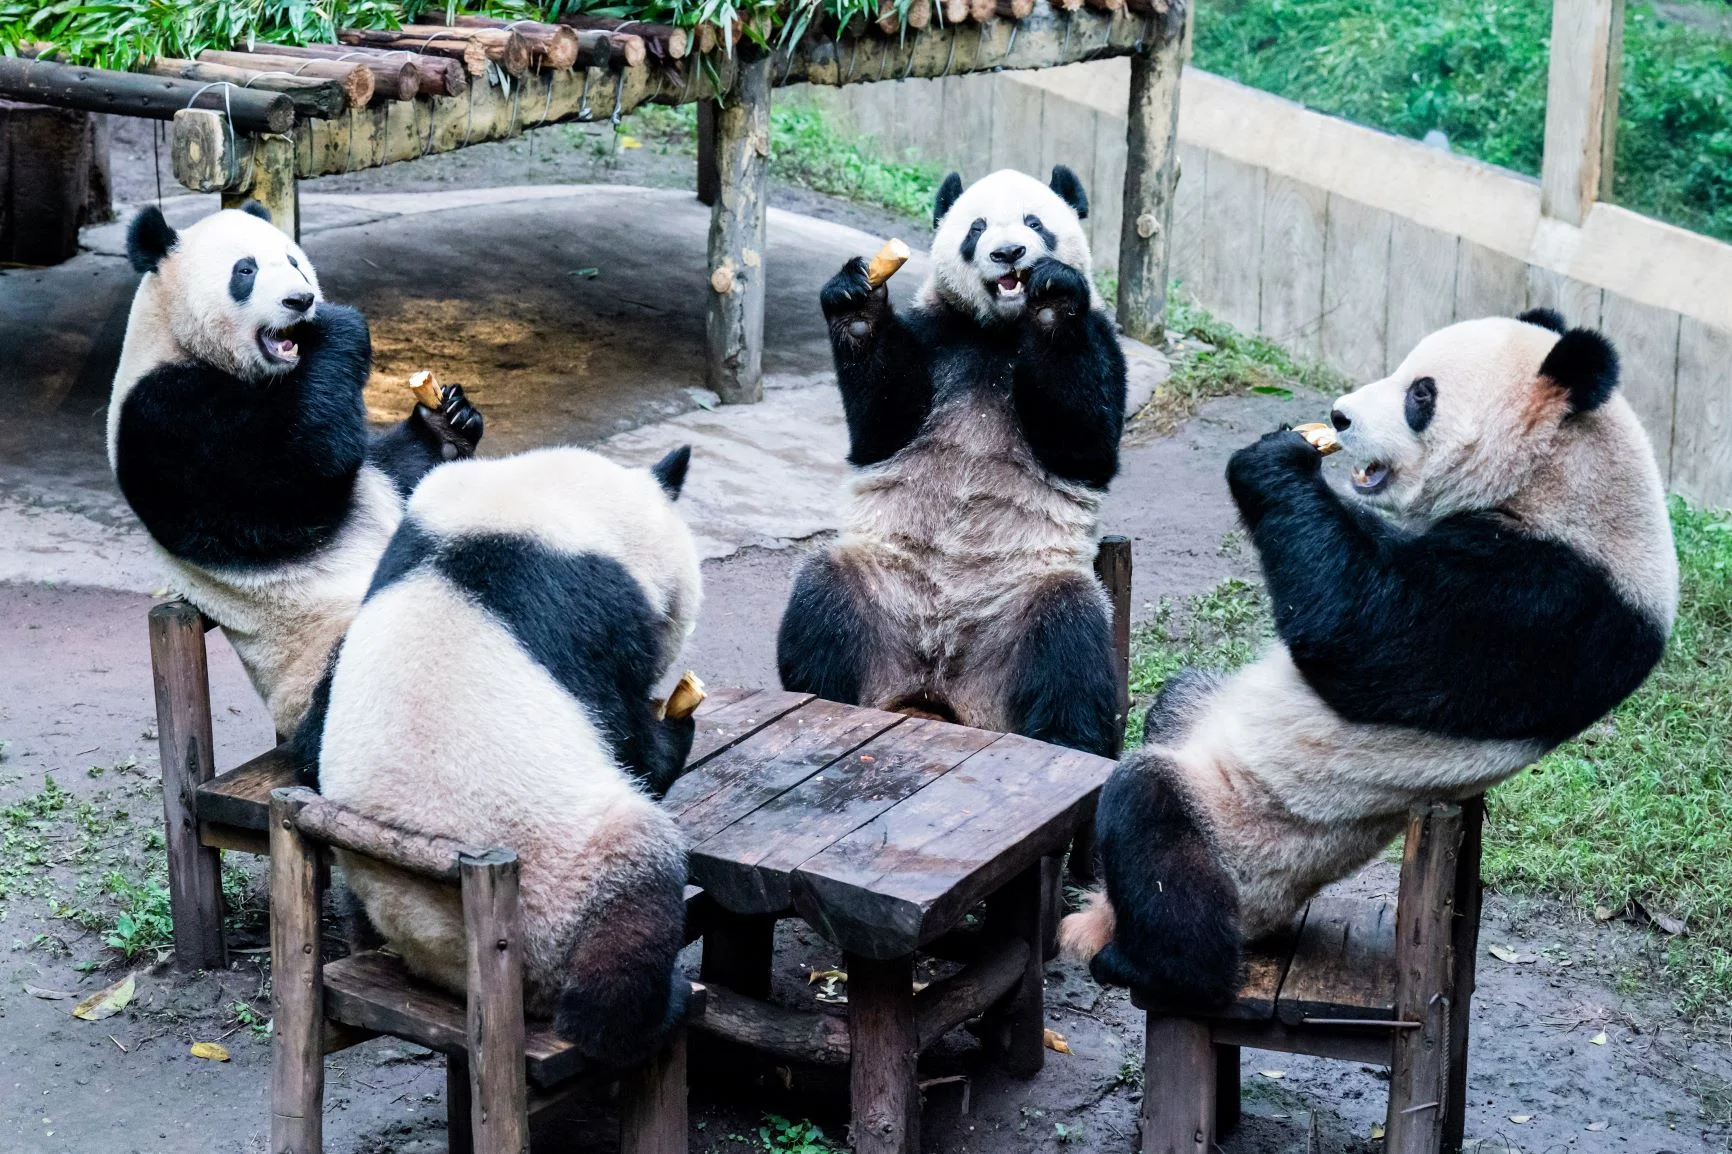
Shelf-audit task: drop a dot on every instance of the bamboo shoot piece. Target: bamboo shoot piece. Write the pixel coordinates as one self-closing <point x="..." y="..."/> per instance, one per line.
<point x="890" y="258"/>
<point x="426" y="388"/>
<point x="686" y="697"/>
<point x="1321" y="436"/>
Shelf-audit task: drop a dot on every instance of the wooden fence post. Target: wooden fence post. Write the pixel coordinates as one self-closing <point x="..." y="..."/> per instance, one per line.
<point x="497" y="1079"/>
<point x="270" y="180"/>
<point x="1581" y="106"/>
<point x="734" y="323"/>
<point x="297" y="986"/>
<point x="1151" y="171"/>
<point x="1425" y="976"/>
<point x="195" y="892"/>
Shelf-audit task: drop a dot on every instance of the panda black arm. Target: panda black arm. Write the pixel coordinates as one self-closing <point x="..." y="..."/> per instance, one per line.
<point x="426" y="438"/>
<point x="1474" y="628"/>
<point x="881" y="366"/>
<point x="1069" y="387"/>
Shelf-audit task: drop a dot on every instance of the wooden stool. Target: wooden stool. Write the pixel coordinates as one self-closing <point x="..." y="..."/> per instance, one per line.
<point x="499" y="1069"/>
<point x="1373" y="982"/>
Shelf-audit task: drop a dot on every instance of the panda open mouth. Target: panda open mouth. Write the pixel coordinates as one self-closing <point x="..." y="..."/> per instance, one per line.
<point x="1371" y="478"/>
<point x="1009" y="286"/>
<point x="279" y="347"/>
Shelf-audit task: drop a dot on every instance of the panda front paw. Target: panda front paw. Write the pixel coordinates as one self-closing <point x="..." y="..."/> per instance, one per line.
<point x="1257" y="474"/>
<point x="849" y="301"/>
<point x="1056" y="292"/>
<point x="457" y="425"/>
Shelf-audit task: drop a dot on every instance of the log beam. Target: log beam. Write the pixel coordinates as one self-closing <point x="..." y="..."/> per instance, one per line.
<point x="1151" y="174"/>
<point x="1581" y="106"/>
<point x="734" y="322"/>
<point x="134" y="94"/>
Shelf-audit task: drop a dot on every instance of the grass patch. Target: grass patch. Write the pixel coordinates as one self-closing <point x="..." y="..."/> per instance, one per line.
<point x="1640" y="807"/>
<point x="1476" y="69"/>
<point x="1211" y="358"/>
<point x="807" y="149"/>
<point x="1637" y="808"/>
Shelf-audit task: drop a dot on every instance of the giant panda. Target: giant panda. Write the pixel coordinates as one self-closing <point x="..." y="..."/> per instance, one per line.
<point x="495" y="688"/>
<point x="1495" y="573"/>
<point x="984" y="427"/>
<point x="237" y="432"/>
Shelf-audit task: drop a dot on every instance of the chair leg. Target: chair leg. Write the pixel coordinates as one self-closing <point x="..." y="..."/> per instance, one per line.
<point x="183" y="728"/>
<point x="1424" y="980"/>
<point x="297" y="988"/>
<point x="652" y="1106"/>
<point x="498" y="1084"/>
<point x="459" y="1132"/>
<point x="738" y="949"/>
<point x="1227" y="1090"/>
<point x="1468" y="892"/>
<point x="882" y="1080"/>
<point x="1178" y="1088"/>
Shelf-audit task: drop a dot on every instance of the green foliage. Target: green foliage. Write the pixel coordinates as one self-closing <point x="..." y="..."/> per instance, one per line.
<point x="144" y="922"/>
<point x="1476" y="69"/>
<point x="779" y="1135"/>
<point x="1218" y="630"/>
<point x="1640" y="807"/>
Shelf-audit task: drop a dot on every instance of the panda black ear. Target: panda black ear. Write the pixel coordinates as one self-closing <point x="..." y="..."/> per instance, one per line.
<point x="148" y="239"/>
<point x="1070" y="190"/>
<point x="254" y="208"/>
<point x="670" y="471"/>
<point x="1583" y="364"/>
<point x="1545" y="318"/>
<point x="947" y="194"/>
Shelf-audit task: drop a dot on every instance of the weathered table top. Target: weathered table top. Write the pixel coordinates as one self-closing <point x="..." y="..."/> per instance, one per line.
<point x="880" y="830"/>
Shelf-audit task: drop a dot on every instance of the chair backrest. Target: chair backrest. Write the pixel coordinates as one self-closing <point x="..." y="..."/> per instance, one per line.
<point x="1113" y="570"/>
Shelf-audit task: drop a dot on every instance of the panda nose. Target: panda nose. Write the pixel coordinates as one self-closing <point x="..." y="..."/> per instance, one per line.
<point x="298" y="302"/>
<point x="1339" y="419"/>
<point x="1009" y="254"/>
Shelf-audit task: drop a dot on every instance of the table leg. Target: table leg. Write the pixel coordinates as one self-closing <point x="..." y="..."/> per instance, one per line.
<point x="737" y="952"/>
<point x="459" y="1113"/>
<point x="885" y="1048"/>
<point x="1178" y="1087"/>
<point x="1020" y="910"/>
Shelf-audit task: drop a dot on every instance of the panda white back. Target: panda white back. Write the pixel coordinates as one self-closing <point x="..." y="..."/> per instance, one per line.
<point x="494" y="688"/>
<point x="237" y="432"/>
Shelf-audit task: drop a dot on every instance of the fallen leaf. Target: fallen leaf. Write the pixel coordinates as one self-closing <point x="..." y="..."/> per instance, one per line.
<point x="1276" y="1075"/>
<point x="1503" y="954"/>
<point x="1055" y="1041"/>
<point x="106" y="1002"/>
<point x="48" y="995"/>
<point x="1666" y="925"/>
<point x="817" y="976"/>
<point x="1604" y="913"/>
<point x="1596" y="1127"/>
<point x="1599" y="1039"/>
<point x="214" y="1051"/>
<point x="629" y="141"/>
<point x="1377" y="1131"/>
<point x="1518" y="1119"/>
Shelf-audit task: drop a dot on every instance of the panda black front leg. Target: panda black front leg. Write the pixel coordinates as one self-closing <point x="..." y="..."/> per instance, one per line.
<point x="1057" y="295"/>
<point x="851" y="305"/>
<point x="1070" y="377"/>
<point x="881" y="367"/>
<point x="428" y="437"/>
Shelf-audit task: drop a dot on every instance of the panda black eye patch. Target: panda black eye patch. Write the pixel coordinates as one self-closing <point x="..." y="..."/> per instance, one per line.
<point x="241" y="279"/>
<point x="972" y="240"/>
<point x="1420" y="403"/>
<point x="1045" y="233"/>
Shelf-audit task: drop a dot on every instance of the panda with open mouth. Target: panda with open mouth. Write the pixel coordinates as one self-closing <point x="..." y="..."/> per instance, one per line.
<point x="984" y="427"/>
<point x="238" y="434"/>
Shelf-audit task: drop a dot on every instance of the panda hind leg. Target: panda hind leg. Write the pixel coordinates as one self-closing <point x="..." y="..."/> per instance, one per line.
<point x="825" y="639"/>
<point x="1176" y="936"/>
<point x="1060" y="688"/>
<point x="622" y="993"/>
<point x="1182" y="699"/>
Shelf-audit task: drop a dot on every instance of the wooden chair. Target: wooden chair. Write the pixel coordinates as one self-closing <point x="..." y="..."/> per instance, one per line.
<point x="1382" y="983"/>
<point x="499" y="1068"/>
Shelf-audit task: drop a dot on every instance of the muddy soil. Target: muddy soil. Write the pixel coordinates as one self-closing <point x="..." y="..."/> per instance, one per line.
<point x="1574" y="1038"/>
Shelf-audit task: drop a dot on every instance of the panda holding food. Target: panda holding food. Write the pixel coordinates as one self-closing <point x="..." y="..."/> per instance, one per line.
<point x="984" y="427"/>
<point x="238" y="434"/>
<point x="1493" y="574"/>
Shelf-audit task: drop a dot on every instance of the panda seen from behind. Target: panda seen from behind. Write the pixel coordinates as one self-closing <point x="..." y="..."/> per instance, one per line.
<point x="238" y="434"/>
<point x="984" y="426"/>
<point x="1495" y="574"/>
<point x="495" y="689"/>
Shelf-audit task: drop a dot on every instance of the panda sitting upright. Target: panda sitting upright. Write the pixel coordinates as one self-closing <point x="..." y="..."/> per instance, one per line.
<point x="495" y="688"/>
<point x="238" y="434"/>
<point x="1498" y="574"/>
<point x="984" y="425"/>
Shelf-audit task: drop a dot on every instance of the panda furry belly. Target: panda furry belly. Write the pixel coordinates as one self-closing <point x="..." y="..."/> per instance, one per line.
<point x="956" y="539"/>
<point x="285" y="620"/>
<point x="554" y="786"/>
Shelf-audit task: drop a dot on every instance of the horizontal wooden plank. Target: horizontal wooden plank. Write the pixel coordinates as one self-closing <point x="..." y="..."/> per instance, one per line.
<point x="1266" y="966"/>
<point x="910" y="874"/>
<point x="242" y="796"/>
<point x="770" y="762"/>
<point x="747" y="866"/>
<point x="729" y="716"/>
<point x="1344" y="963"/>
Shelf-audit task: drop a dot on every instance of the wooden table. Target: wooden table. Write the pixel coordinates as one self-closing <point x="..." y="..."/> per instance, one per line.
<point x="883" y="832"/>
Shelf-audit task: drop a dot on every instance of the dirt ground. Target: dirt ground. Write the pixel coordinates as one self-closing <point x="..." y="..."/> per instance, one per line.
<point x="1572" y="1038"/>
